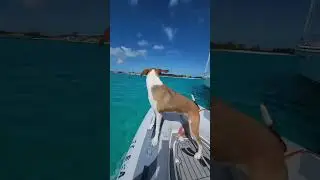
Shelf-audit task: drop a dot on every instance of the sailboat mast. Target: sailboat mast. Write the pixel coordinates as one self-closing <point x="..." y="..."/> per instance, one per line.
<point x="207" y="64"/>
<point x="307" y="23"/>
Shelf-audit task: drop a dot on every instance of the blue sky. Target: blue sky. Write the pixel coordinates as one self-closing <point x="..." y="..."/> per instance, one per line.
<point x="270" y="23"/>
<point x="54" y="16"/>
<point x="170" y="34"/>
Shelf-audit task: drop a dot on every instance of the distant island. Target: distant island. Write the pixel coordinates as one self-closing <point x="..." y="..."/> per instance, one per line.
<point x="71" y="37"/>
<point x="164" y="75"/>
<point x="230" y="46"/>
<point x="103" y="39"/>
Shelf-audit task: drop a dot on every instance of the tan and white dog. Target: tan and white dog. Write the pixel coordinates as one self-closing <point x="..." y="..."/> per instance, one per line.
<point x="241" y="140"/>
<point x="163" y="99"/>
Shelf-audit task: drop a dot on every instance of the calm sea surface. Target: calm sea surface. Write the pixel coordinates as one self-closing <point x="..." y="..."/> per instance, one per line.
<point x="53" y="117"/>
<point x="246" y="80"/>
<point x="54" y="110"/>
<point x="54" y="101"/>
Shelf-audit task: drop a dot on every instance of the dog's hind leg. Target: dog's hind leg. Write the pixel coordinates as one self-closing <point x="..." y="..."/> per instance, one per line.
<point x="153" y="120"/>
<point x="155" y="139"/>
<point x="194" y="123"/>
<point x="198" y="154"/>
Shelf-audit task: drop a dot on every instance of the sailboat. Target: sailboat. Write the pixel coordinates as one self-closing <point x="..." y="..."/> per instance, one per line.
<point x="206" y="75"/>
<point x="309" y="46"/>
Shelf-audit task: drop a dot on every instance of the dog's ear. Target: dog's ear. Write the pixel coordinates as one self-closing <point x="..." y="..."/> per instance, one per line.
<point x="161" y="71"/>
<point x="145" y="72"/>
<point x="158" y="71"/>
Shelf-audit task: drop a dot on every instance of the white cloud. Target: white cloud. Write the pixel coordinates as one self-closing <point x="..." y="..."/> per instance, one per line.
<point x="158" y="47"/>
<point x="121" y="53"/>
<point x="173" y="3"/>
<point x="120" y="61"/>
<point x="170" y="32"/>
<point x="133" y="2"/>
<point x="176" y="2"/>
<point x="143" y="43"/>
<point x="139" y="35"/>
<point x="128" y="52"/>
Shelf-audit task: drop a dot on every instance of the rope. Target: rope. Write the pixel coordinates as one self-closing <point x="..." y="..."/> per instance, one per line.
<point x="300" y="151"/>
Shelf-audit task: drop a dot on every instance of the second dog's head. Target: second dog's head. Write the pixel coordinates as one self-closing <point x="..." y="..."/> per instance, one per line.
<point x="157" y="71"/>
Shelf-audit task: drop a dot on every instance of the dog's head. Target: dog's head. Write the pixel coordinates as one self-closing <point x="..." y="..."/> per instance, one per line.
<point x="157" y="71"/>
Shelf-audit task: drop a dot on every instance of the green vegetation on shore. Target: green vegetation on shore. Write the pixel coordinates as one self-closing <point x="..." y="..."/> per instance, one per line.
<point x="242" y="47"/>
<point x="71" y="37"/>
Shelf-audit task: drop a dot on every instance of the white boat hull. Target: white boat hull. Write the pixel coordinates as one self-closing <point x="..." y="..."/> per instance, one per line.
<point x="309" y="63"/>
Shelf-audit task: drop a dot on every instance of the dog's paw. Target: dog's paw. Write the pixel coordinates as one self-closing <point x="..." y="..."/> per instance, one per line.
<point x="197" y="155"/>
<point x="154" y="142"/>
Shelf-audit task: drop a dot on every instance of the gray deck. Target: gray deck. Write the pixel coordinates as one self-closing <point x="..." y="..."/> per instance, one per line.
<point x="185" y="166"/>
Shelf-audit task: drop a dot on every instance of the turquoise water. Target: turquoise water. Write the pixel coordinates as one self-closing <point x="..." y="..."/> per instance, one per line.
<point x="129" y="104"/>
<point x="53" y="100"/>
<point x="246" y="80"/>
<point x="54" y="110"/>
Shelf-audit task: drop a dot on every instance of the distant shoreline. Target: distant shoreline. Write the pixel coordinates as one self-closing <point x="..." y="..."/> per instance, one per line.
<point x="137" y="74"/>
<point x="86" y="39"/>
<point x="252" y="52"/>
<point x="180" y="77"/>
